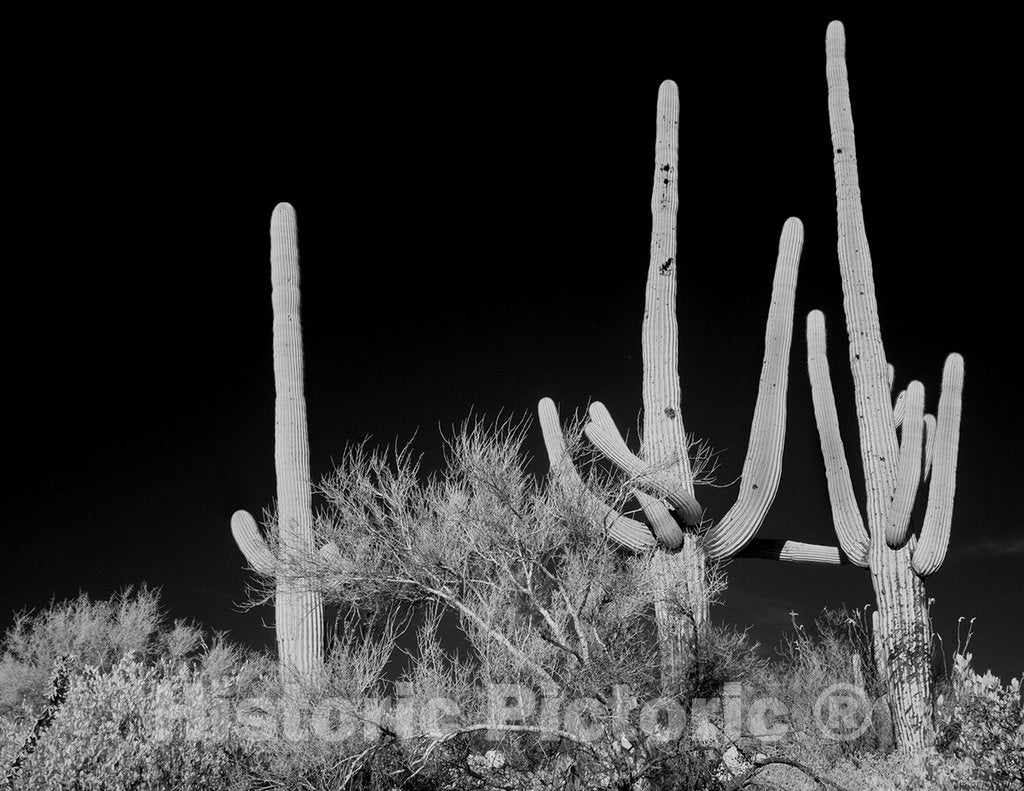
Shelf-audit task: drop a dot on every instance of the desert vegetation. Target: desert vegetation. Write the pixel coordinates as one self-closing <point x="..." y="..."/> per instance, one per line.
<point x="149" y="704"/>
<point x="482" y="627"/>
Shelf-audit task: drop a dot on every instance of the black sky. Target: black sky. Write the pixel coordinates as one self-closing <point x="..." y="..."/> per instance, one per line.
<point x="474" y="225"/>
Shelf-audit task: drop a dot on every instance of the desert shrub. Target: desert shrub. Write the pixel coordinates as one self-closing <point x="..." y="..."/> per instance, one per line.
<point x="97" y="632"/>
<point x="980" y="736"/>
<point x="980" y="723"/>
<point x="523" y="572"/>
<point x="155" y="716"/>
<point x="836" y="650"/>
<point x="139" y="725"/>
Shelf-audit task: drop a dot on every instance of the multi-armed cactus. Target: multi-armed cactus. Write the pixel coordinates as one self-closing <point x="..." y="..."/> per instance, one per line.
<point x="894" y="468"/>
<point x="662" y="474"/>
<point x="299" y="608"/>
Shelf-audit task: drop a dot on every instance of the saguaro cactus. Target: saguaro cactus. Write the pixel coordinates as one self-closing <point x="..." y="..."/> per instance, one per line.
<point x="662" y="473"/>
<point x="893" y="467"/>
<point x="299" y="608"/>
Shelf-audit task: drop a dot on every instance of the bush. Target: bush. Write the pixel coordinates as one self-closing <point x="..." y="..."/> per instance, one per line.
<point x="97" y="633"/>
<point x="540" y="600"/>
<point x="981" y="723"/>
<point x="135" y="726"/>
<point x="836" y="650"/>
<point x="148" y="718"/>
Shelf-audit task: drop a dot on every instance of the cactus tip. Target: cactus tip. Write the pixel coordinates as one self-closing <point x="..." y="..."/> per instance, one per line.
<point x="668" y="98"/>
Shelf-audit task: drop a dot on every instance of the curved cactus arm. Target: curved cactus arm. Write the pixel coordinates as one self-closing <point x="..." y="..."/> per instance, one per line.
<point x="762" y="467"/>
<point x="662" y="522"/>
<point x="796" y="551"/>
<point x="660" y="518"/>
<point x="899" y="409"/>
<point x="934" y="541"/>
<point x="853" y="537"/>
<point x="630" y="533"/>
<point x="929" y="446"/>
<point x="605" y="436"/>
<point x="250" y="540"/>
<point x="908" y="476"/>
<point x="562" y="467"/>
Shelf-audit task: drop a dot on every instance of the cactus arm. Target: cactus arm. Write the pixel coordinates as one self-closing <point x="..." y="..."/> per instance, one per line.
<point x="630" y="533"/>
<point x="892" y="376"/>
<point x="249" y="539"/>
<point x="605" y="436"/>
<point x="931" y="549"/>
<point x="929" y="445"/>
<point x="899" y="408"/>
<point x="796" y="551"/>
<point x="662" y="522"/>
<point x="849" y="525"/>
<point x="908" y="476"/>
<point x="562" y="467"/>
<point x="664" y="438"/>
<point x="626" y="532"/>
<point x="762" y="467"/>
<point x="558" y="456"/>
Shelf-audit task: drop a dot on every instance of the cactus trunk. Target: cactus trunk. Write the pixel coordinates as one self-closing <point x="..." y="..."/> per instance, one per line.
<point x="664" y="438"/>
<point x="905" y="640"/>
<point x="299" y="609"/>
<point x="681" y="607"/>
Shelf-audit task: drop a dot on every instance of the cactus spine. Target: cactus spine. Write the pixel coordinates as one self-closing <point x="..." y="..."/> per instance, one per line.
<point x="662" y="474"/>
<point x="893" y="466"/>
<point x="299" y="609"/>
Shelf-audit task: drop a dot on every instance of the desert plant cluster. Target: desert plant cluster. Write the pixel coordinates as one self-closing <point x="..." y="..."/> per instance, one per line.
<point x="150" y="704"/>
<point x="478" y="627"/>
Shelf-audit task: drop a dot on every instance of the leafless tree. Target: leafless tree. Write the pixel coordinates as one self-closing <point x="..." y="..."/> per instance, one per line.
<point x="517" y="587"/>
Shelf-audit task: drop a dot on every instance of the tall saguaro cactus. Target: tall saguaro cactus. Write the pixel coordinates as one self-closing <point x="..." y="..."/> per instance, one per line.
<point x="894" y="467"/>
<point x="662" y="473"/>
<point x="299" y="608"/>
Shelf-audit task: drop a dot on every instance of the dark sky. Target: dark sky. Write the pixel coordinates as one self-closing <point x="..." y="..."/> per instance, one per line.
<point x="474" y="226"/>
